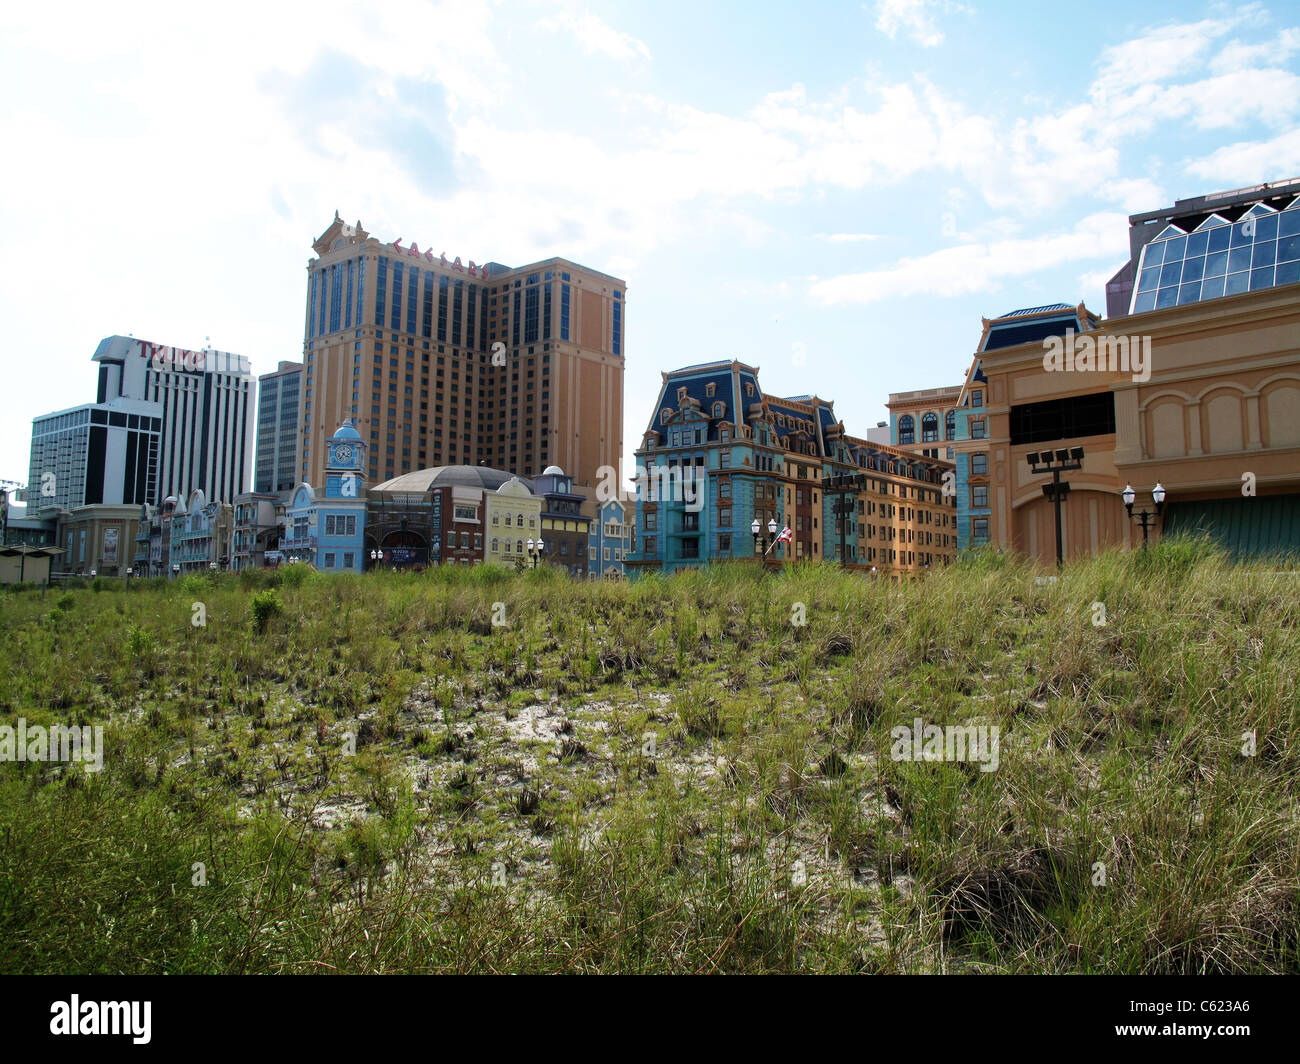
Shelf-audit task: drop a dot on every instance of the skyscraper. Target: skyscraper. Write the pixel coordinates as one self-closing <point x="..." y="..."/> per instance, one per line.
<point x="279" y="395"/>
<point x="165" y="421"/>
<point x="443" y="363"/>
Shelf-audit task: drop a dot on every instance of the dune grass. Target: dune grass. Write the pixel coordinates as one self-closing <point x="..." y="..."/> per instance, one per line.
<point x="473" y="770"/>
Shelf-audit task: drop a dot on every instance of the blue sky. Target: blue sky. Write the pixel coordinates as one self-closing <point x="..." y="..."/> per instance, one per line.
<point x="833" y="192"/>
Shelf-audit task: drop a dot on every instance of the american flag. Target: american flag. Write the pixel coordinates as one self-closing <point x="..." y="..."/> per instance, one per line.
<point x="786" y="535"/>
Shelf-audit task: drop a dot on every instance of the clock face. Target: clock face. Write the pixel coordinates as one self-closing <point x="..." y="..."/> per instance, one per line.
<point x="343" y="453"/>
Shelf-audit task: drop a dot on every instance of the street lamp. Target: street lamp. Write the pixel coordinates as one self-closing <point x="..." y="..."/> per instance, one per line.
<point x="375" y="557"/>
<point x="756" y="527"/>
<point x="535" y="548"/>
<point x="1056" y="463"/>
<point x="212" y="566"/>
<point x="1144" y="518"/>
<point x="176" y="569"/>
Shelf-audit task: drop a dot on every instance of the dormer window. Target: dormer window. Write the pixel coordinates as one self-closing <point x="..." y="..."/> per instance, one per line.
<point x="664" y="415"/>
<point x="709" y="390"/>
<point x="681" y="394"/>
<point x="719" y="409"/>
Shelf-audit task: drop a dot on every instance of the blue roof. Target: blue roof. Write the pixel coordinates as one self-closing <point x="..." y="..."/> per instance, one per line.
<point x="347" y="432"/>
<point x="1037" y="310"/>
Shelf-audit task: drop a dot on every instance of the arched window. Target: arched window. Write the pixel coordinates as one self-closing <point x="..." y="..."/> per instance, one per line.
<point x="930" y="427"/>
<point x="519" y="520"/>
<point x="519" y="546"/>
<point x="950" y="425"/>
<point x="718" y="409"/>
<point x="907" y="429"/>
<point x="496" y="546"/>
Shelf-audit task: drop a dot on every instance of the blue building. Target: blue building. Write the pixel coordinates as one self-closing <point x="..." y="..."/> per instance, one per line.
<point x="724" y="469"/>
<point x="328" y="530"/>
<point x="610" y="539"/>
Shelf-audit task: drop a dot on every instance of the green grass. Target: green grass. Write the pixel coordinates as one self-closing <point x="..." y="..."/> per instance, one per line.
<point x="369" y="774"/>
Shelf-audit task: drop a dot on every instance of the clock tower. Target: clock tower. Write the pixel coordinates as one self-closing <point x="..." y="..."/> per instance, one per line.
<point x="345" y="460"/>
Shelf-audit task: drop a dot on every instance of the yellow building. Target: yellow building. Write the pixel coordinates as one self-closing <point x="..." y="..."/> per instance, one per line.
<point x="513" y="516"/>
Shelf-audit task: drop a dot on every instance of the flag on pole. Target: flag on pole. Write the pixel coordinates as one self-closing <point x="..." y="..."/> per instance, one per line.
<point x="786" y="536"/>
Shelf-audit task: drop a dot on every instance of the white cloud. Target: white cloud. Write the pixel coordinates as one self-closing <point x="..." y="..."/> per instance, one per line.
<point x="915" y="18"/>
<point x="596" y="36"/>
<point x="1238" y="56"/>
<point x="1248" y="162"/>
<point x="847" y="238"/>
<point x="980" y="267"/>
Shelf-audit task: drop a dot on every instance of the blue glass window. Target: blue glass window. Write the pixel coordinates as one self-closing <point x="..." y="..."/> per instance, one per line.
<point x="1197" y="244"/>
<point x="469" y="316"/>
<point x="1288" y="273"/>
<point x="1219" y="238"/>
<point x="457" y="305"/>
<point x="361" y="287"/>
<point x="1216" y="264"/>
<point x="1265" y="254"/>
<point x="1239" y="259"/>
<point x="530" y="314"/>
<point x="1190" y="293"/>
<point x="1171" y="272"/>
<point x="1145" y="301"/>
<point x="347" y="306"/>
<point x="1241" y="234"/>
<point x="395" y="315"/>
<point x="413" y="300"/>
<point x="1193" y="270"/>
<point x="426" y="325"/>
<point x="618" y="329"/>
<point x="1288" y="248"/>
<point x="336" y="296"/>
<point x="1266" y="228"/>
<point x="1148" y="279"/>
<point x="1237" y="282"/>
<point x="1261" y="278"/>
<point x="1289" y="224"/>
<point x="1174" y="248"/>
<point x="1166" y="297"/>
<point x="311" y="307"/>
<point x="381" y="290"/>
<point x="1212" y="287"/>
<point x="1154" y="254"/>
<point x="320" y="307"/>
<point x="442" y="308"/>
<point x="564" y="309"/>
<point x="546" y="311"/>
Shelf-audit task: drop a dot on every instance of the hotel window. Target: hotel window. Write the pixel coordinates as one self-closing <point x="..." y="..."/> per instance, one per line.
<point x="979" y="496"/>
<point x="709" y="390"/>
<point x="979" y="464"/>
<point x="651" y="521"/>
<point x="650" y="545"/>
<point x="724" y="489"/>
<point x="977" y="428"/>
<point x="718" y="409"/>
<point x="906" y="429"/>
<point x="950" y="425"/>
<point x="725" y="435"/>
<point x="930" y="428"/>
<point x="979" y="529"/>
<point x="664" y="415"/>
<point x="496" y="546"/>
<point x="977" y="398"/>
<point x="724" y="457"/>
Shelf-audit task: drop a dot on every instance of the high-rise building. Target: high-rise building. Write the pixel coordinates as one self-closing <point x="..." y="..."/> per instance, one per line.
<point x="165" y="421"/>
<point x="443" y="363"/>
<point x="207" y="428"/>
<point x="95" y="453"/>
<point x="279" y="395"/>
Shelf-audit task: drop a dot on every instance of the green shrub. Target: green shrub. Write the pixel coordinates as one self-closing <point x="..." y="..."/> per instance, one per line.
<point x="265" y="605"/>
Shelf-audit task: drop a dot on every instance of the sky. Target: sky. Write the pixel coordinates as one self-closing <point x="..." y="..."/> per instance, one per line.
<point x="833" y="192"/>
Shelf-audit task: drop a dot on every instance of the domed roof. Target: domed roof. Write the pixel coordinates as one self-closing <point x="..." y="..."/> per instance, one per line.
<point x="422" y="480"/>
<point x="347" y="431"/>
<point x="552" y="471"/>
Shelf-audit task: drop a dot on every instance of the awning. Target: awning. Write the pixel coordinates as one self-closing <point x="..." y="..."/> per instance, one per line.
<point x="1251" y="526"/>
